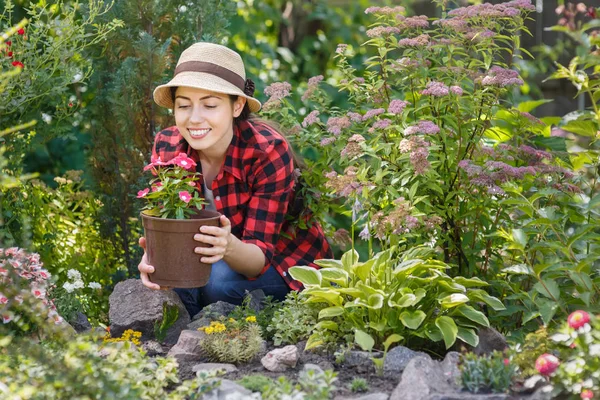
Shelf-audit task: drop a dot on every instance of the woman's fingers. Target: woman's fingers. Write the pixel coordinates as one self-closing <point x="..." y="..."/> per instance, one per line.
<point x="146" y="269"/>
<point x="214" y="240"/>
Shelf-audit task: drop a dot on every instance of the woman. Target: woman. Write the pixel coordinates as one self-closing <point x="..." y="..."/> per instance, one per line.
<point x="247" y="175"/>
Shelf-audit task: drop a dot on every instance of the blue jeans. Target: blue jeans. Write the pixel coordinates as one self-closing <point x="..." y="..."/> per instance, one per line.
<point x="227" y="285"/>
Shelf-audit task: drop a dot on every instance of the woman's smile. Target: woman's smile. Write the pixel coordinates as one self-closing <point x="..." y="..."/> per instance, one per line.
<point x="198" y="133"/>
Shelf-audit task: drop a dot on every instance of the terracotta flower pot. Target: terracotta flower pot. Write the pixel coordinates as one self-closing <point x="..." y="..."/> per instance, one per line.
<point x="170" y="249"/>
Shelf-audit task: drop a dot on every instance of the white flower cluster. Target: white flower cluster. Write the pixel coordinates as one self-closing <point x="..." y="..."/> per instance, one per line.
<point x="77" y="283"/>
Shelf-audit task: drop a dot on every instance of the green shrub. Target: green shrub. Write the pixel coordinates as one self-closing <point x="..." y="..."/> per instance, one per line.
<point x="232" y="341"/>
<point x="312" y="385"/>
<point x="263" y="317"/>
<point x="293" y="322"/>
<point x="487" y="373"/>
<point x="535" y="344"/>
<point x="359" y="385"/>
<point x="256" y="382"/>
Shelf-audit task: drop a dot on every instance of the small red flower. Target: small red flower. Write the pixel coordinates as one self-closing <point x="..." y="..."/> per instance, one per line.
<point x="8" y="42"/>
<point x="587" y="394"/>
<point x="578" y="319"/>
<point x="591" y="12"/>
<point x="10" y="53"/>
<point x="21" y="31"/>
<point x="506" y="361"/>
<point x="546" y="364"/>
<point x="18" y="64"/>
<point x="71" y="104"/>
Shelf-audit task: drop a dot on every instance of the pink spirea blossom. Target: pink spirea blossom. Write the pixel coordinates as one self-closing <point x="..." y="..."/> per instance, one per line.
<point x="278" y="90"/>
<point x="578" y="319"/>
<point x="498" y="76"/>
<point x="424" y="126"/>
<point x="313" y="83"/>
<point x="456" y="24"/>
<point x="336" y="124"/>
<point x="327" y="141"/>
<point x="457" y="90"/>
<point x="381" y="31"/>
<point x="487" y="10"/>
<point x="436" y="89"/>
<point x="185" y="196"/>
<point x="419" y="21"/>
<point x="142" y="193"/>
<point x="385" y="10"/>
<point x="418" y="159"/>
<point x="371" y="113"/>
<point x="311" y="118"/>
<point x="419" y="41"/>
<point x="341" y="48"/>
<point x="397" y="106"/>
<point x="546" y="364"/>
<point x="354" y="116"/>
<point x="381" y="124"/>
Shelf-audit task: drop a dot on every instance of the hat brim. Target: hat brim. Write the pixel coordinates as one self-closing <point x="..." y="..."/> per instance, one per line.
<point x="200" y="80"/>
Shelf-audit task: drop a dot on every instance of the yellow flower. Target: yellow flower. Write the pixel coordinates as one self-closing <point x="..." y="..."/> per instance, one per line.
<point x="209" y="330"/>
<point x="231" y="320"/>
<point x="219" y="327"/>
<point x="251" y="318"/>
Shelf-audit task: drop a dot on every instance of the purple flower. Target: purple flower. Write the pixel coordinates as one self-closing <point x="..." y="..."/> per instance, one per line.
<point x="313" y="83"/>
<point x="502" y="77"/>
<point x="381" y="31"/>
<point x="457" y="90"/>
<point x="397" y="106"/>
<point x="354" y="117"/>
<point x="365" y="234"/>
<point x="327" y="141"/>
<point x="413" y="22"/>
<point x="419" y="41"/>
<point x="437" y="89"/>
<point x="336" y="124"/>
<point x="425" y="127"/>
<point x="311" y="118"/>
<point x="371" y="113"/>
<point x="381" y="124"/>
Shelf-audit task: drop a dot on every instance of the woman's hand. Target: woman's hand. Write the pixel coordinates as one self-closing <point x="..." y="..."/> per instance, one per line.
<point x="146" y="269"/>
<point x="220" y="238"/>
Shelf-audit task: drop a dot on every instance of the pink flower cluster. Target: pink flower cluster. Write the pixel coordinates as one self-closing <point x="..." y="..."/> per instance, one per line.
<point x="381" y="31"/>
<point x="313" y="83"/>
<point x="486" y="10"/>
<point x="278" y="90"/>
<point x="498" y="76"/>
<point x="182" y="160"/>
<point x="371" y="113"/>
<point x="419" y="151"/>
<point x="336" y="124"/>
<point x="419" y="41"/>
<point x="424" y="126"/>
<point x="17" y="267"/>
<point x="494" y="173"/>
<point x="397" y="106"/>
<point x="419" y="21"/>
<point x="436" y="89"/>
<point x="311" y="118"/>
<point x="381" y="124"/>
<point x="385" y="10"/>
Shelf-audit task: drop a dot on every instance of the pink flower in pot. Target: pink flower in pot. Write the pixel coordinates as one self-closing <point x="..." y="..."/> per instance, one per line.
<point x="546" y="364"/>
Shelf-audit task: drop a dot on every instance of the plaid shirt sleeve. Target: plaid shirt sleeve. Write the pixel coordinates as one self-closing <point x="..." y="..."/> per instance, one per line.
<point x="272" y="187"/>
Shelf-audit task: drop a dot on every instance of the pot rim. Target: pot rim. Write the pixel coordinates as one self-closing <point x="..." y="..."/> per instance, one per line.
<point x="215" y="214"/>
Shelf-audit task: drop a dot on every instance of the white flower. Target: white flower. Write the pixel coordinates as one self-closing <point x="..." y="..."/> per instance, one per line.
<point x="68" y="287"/>
<point x="182" y="9"/>
<point x="94" y="285"/>
<point x="74" y="274"/>
<point x="78" y="284"/>
<point x="46" y="118"/>
<point x="77" y="77"/>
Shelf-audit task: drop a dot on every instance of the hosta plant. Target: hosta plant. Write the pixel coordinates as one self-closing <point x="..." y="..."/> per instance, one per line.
<point x="409" y="294"/>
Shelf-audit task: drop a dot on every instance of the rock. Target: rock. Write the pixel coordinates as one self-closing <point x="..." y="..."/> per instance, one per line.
<point x="397" y="358"/>
<point x="279" y="360"/>
<point x="229" y="390"/>
<point x="214" y="366"/>
<point x="257" y="299"/>
<point x="450" y="367"/>
<point x="153" y="348"/>
<point x="215" y="310"/>
<point x="361" y="360"/>
<point x="490" y="340"/>
<point x="423" y="378"/>
<point x="81" y="323"/>
<point x="470" y="396"/>
<point x="533" y="383"/>
<point x="198" y="323"/>
<point x="543" y="393"/>
<point x="134" y="306"/>
<point x="312" y="367"/>
<point x="370" y="396"/>
<point x="188" y="346"/>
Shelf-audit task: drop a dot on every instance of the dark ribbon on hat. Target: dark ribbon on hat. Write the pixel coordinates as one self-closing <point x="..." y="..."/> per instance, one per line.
<point x="216" y="70"/>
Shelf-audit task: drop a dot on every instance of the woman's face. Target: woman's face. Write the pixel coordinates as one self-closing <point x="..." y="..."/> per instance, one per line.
<point x="205" y="119"/>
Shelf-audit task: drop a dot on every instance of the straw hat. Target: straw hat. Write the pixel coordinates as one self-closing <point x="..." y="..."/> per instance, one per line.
<point x="211" y="67"/>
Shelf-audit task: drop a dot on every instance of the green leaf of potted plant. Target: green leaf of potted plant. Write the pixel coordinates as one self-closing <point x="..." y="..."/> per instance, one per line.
<point x="173" y="214"/>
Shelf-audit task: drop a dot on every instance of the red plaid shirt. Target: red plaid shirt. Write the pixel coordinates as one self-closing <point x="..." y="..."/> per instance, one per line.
<point x="253" y="189"/>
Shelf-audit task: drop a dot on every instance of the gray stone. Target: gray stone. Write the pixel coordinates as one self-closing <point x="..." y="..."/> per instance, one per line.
<point x="533" y="383"/>
<point x="214" y="366"/>
<point x="312" y="367"/>
<point x="490" y="340"/>
<point x="257" y="300"/>
<point x="229" y="390"/>
<point x="153" y="348"/>
<point x="370" y="396"/>
<point x="279" y="360"/>
<point x="358" y="359"/>
<point x="543" y="393"/>
<point x="188" y="347"/>
<point x="398" y="357"/>
<point x="215" y="310"/>
<point x="134" y="306"/>
<point x="450" y="367"/>
<point x="198" y="323"/>
<point x="81" y="323"/>
<point x="423" y="378"/>
<point x="470" y="396"/>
